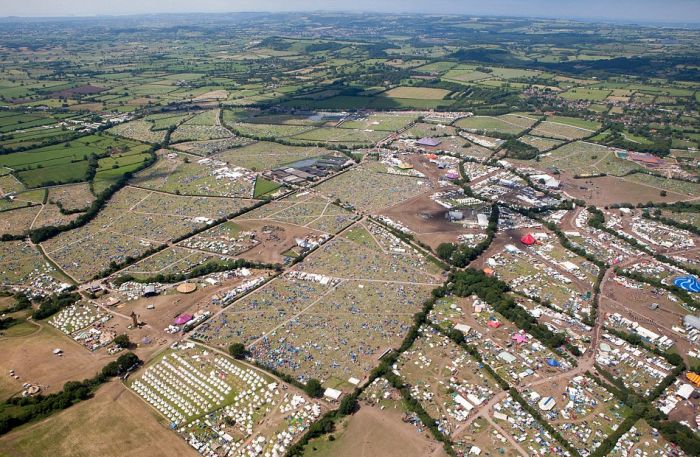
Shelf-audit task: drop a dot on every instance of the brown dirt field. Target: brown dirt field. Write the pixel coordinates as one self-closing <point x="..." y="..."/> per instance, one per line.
<point x="609" y="189"/>
<point x="213" y="95"/>
<point x="112" y="424"/>
<point x="172" y="304"/>
<point x="372" y="432"/>
<point x="634" y="304"/>
<point x="422" y="164"/>
<point x="33" y="361"/>
<point x="422" y="215"/>
<point x="270" y="249"/>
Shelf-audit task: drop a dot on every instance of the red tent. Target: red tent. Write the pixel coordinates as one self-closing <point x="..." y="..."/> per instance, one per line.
<point x="528" y="239"/>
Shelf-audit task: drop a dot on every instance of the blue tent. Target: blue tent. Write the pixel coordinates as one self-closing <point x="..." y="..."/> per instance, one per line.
<point x="553" y="363"/>
<point x="688" y="283"/>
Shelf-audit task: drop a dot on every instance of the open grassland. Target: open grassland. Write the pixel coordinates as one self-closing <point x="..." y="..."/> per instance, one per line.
<point x="71" y="197"/>
<point x="332" y="135"/>
<point x="585" y="94"/>
<point x="380" y="121"/>
<point x="93" y="427"/>
<point x="65" y="162"/>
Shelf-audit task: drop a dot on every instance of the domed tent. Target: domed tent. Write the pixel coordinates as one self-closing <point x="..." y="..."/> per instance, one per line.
<point x="528" y="239"/>
<point x="688" y="283"/>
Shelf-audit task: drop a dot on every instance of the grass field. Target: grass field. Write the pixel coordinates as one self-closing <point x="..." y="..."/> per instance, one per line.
<point x="64" y="162"/>
<point x="94" y="426"/>
<point x="585" y="94"/>
<point x="264" y="187"/>
<point x="417" y="93"/>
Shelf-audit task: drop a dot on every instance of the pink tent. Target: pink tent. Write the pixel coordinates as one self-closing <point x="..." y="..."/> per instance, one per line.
<point x="493" y="324"/>
<point x="183" y="319"/>
<point x="520" y="338"/>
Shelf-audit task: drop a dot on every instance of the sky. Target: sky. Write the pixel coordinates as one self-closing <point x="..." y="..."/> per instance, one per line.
<point x="681" y="11"/>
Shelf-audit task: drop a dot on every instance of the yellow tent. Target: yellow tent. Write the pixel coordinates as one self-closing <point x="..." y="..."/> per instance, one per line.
<point x="694" y="378"/>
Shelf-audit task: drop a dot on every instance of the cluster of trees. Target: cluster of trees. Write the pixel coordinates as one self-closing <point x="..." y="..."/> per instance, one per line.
<point x="20" y="410"/>
<point x="53" y="304"/>
<point x="238" y="351"/>
<point x="660" y="146"/>
<point x="213" y="266"/>
<point x="519" y="150"/>
<point x="493" y="291"/>
<point x="460" y="255"/>
<point x="22" y="302"/>
<point x="672" y="222"/>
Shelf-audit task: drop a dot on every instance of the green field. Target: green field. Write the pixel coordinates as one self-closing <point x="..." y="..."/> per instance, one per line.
<point x="264" y="187"/>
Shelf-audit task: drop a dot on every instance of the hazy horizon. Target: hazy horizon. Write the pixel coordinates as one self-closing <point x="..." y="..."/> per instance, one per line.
<point x="669" y="11"/>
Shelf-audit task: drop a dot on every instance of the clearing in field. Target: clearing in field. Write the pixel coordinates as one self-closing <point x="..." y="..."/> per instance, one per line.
<point x="565" y="128"/>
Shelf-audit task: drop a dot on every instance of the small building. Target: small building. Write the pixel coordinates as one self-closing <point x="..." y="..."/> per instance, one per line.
<point x="685" y="391"/>
<point x="547" y="403"/>
<point x="333" y="394"/>
<point x="692" y="321"/>
<point x="455" y="215"/>
<point x="507" y="357"/>
<point x="150" y="291"/>
<point x="482" y="219"/>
